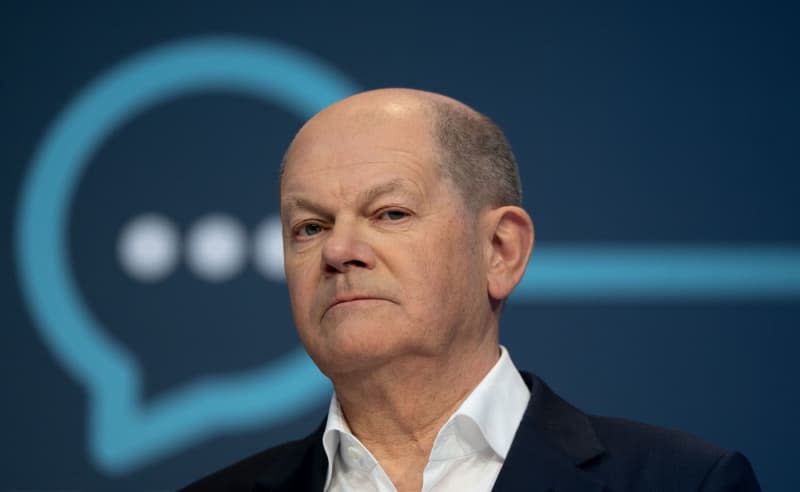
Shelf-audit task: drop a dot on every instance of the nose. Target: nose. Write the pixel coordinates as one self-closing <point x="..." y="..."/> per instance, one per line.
<point x="345" y="249"/>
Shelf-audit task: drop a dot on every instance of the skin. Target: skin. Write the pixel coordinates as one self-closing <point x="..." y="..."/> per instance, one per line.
<point x="396" y="288"/>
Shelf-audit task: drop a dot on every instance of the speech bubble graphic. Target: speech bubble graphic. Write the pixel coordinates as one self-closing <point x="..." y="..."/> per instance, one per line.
<point x="125" y="432"/>
<point x="647" y="272"/>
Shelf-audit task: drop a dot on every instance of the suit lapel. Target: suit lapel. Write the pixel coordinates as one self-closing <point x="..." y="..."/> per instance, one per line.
<point x="552" y="442"/>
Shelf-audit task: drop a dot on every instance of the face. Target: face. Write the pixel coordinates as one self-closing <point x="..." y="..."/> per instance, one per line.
<point x="382" y="260"/>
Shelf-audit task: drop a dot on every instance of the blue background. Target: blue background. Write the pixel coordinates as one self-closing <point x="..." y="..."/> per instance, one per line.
<point x="633" y="124"/>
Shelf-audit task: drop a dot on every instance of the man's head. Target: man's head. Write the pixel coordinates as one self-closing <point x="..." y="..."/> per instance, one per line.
<point x="472" y="151"/>
<point x="402" y="234"/>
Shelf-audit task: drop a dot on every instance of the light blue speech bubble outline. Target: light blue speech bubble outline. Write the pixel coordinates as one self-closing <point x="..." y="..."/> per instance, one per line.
<point x="124" y="432"/>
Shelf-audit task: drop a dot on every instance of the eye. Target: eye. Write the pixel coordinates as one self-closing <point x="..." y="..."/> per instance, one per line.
<point x="309" y="229"/>
<point x="394" y="214"/>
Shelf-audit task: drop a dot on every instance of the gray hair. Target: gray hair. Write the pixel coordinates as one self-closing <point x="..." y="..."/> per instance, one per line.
<point x="476" y="157"/>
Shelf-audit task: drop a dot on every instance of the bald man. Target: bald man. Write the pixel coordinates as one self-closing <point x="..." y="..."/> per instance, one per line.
<point x="403" y="236"/>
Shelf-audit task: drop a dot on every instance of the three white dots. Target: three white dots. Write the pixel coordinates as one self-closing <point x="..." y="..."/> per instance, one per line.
<point x="215" y="248"/>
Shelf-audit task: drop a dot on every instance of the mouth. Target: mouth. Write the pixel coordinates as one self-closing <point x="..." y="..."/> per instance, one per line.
<point x="351" y="300"/>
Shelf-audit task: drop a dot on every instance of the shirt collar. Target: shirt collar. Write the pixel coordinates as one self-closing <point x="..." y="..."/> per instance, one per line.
<point x="488" y="417"/>
<point x="337" y="438"/>
<point x="494" y="408"/>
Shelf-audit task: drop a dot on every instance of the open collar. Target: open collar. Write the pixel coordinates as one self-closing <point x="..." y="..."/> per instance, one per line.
<point x="553" y="442"/>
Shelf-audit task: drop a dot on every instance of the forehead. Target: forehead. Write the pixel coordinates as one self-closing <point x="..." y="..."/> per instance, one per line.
<point x="352" y="149"/>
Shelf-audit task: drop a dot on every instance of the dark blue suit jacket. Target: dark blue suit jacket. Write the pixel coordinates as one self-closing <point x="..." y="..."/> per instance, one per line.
<point x="556" y="448"/>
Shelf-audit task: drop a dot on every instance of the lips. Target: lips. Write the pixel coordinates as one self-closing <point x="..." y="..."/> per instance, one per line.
<point x="344" y="299"/>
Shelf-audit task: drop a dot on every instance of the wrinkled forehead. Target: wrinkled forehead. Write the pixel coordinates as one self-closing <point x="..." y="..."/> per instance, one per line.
<point x="334" y="141"/>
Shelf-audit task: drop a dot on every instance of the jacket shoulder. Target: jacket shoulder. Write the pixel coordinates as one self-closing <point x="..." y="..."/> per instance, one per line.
<point x="645" y="457"/>
<point x="278" y="463"/>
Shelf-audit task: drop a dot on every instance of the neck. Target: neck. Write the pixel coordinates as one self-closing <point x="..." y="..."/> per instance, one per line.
<point x="397" y="410"/>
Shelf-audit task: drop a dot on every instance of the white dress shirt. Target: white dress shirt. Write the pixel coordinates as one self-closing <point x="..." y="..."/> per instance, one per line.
<point x="469" y="449"/>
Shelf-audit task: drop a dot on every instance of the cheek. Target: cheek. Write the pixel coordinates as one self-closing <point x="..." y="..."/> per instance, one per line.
<point x="466" y="270"/>
<point x="447" y="277"/>
<point x="300" y="285"/>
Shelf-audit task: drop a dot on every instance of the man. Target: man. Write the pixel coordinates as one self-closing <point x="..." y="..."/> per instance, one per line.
<point x="403" y="236"/>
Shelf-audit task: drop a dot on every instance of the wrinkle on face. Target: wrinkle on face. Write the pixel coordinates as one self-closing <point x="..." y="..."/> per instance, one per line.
<point x="343" y="165"/>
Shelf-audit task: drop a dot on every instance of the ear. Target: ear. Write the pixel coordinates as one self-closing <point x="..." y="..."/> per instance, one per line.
<point x="511" y="245"/>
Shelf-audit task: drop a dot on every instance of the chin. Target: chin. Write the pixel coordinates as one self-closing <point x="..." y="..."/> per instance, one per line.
<point x="357" y="349"/>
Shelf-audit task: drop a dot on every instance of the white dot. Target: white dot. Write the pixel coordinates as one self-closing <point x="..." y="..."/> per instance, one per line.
<point x="268" y="249"/>
<point x="215" y="247"/>
<point x="148" y="247"/>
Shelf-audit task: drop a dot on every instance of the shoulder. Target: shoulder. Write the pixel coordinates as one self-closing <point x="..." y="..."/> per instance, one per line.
<point x="628" y="455"/>
<point x="639" y="456"/>
<point x="635" y="438"/>
<point x="276" y="464"/>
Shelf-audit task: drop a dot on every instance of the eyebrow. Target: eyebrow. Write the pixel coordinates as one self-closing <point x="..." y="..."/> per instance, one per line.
<point x="365" y="197"/>
<point x="391" y="186"/>
<point x="299" y="203"/>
